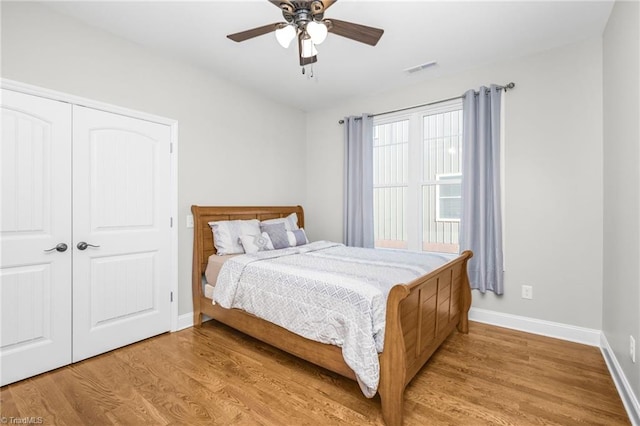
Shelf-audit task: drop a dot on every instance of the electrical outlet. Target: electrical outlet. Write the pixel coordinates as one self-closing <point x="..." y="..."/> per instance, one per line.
<point x="189" y="221"/>
<point x="632" y="348"/>
<point x="527" y="292"/>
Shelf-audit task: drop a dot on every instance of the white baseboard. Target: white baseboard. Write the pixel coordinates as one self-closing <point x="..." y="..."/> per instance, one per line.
<point x="586" y="336"/>
<point x="185" y="321"/>
<point x="625" y="391"/>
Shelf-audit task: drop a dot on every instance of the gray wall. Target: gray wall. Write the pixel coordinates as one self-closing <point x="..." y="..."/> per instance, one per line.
<point x="218" y="152"/>
<point x="621" y="297"/>
<point x="553" y="176"/>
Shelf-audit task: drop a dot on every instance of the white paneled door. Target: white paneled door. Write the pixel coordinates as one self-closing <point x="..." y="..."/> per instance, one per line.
<point x="35" y="236"/>
<point x="121" y="228"/>
<point x="85" y="233"/>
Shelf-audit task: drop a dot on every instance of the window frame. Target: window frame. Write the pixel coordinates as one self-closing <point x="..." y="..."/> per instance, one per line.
<point x="413" y="220"/>
<point x="439" y="197"/>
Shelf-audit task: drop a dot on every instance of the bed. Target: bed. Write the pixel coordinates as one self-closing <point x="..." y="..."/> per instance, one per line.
<point x="420" y="314"/>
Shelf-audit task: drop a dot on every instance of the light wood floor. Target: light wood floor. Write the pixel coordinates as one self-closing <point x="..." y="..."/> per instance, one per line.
<point x="215" y="375"/>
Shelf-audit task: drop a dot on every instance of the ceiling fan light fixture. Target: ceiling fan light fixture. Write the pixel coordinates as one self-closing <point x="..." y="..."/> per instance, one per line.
<point x="317" y="31"/>
<point x="308" y="48"/>
<point x="285" y="35"/>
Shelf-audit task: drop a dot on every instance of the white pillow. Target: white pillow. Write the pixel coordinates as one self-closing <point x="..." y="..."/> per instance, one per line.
<point x="226" y="234"/>
<point x="256" y="243"/>
<point x="297" y="237"/>
<point x="290" y="222"/>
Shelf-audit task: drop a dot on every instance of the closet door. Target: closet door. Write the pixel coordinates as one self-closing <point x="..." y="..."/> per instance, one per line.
<point x="35" y="277"/>
<point x="121" y="228"/>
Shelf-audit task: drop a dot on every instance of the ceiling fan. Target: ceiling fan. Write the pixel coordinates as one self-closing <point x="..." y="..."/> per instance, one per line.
<point x="305" y="20"/>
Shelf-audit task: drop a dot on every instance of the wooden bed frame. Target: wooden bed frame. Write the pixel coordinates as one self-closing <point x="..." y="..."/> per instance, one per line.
<point x="420" y="314"/>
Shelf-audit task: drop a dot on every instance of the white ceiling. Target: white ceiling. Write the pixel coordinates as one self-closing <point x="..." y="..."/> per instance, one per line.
<point x="458" y="35"/>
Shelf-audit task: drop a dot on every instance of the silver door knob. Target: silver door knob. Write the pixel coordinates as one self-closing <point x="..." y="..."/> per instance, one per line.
<point x="60" y="247"/>
<point x="83" y="245"/>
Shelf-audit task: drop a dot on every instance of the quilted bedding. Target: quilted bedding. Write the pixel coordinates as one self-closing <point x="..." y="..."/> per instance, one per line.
<point x="325" y="292"/>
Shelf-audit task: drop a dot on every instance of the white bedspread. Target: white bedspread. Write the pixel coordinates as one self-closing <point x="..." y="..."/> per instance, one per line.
<point x="325" y="292"/>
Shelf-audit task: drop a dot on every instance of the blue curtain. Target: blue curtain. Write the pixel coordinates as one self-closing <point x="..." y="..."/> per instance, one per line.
<point x="481" y="217"/>
<point x="358" y="186"/>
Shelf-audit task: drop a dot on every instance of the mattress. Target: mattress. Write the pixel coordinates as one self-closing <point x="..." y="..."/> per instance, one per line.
<point x="213" y="268"/>
<point x="208" y="291"/>
<point x="211" y="273"/>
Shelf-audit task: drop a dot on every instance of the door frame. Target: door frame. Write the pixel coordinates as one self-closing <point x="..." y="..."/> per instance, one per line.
<point x="173" y="124"/>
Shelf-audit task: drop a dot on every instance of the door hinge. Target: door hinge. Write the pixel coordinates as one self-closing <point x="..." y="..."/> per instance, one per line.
<point x="171" y="222"/>
<point x="171" y="293"/>
<point x="171" y="148"/>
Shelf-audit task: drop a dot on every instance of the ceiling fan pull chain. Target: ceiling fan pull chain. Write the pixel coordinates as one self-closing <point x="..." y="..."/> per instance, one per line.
<point x="304" y="71"/>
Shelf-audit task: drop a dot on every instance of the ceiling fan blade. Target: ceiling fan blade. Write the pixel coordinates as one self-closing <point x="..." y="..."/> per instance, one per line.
<point x="254" y="32"/>
<point x="357" y="32"/>
<point x="284" y="5"/>
<point x="328" y="3"/>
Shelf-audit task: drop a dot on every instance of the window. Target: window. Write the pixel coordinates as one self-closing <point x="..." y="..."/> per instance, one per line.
<point x="417" y="178"/>
<point x="390" y="183"/>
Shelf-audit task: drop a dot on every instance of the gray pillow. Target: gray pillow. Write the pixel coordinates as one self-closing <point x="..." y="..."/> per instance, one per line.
<point x="297" y="237"/>
<point x="277" y="233"/>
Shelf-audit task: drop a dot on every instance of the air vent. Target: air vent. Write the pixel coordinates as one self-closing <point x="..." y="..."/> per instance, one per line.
<point x="420" y="67"/>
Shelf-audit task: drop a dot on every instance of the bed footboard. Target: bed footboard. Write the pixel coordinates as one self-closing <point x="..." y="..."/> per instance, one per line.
<point x="420" y="316"/>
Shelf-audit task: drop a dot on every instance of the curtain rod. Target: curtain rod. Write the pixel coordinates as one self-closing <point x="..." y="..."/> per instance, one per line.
<point x="505" y="88"/>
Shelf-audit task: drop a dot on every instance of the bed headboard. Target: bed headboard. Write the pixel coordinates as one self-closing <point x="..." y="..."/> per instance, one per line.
<point x="203" y="237"/>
